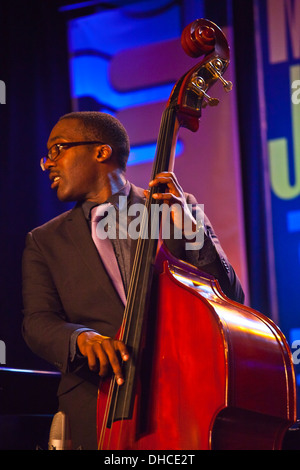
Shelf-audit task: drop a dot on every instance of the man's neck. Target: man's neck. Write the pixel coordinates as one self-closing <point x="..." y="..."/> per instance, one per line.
<point x="116" y="181"/>
<point x="112" y="182"/>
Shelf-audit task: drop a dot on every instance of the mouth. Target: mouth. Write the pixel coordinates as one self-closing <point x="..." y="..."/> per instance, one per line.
<point x="55" y="181"/>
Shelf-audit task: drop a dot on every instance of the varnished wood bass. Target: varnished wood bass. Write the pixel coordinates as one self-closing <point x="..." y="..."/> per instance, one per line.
<point x="205" y="372"/>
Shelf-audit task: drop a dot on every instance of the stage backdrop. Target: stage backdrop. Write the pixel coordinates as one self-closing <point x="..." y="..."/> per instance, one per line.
<point x="278" y="63"/>
<point x="125" y="62"/>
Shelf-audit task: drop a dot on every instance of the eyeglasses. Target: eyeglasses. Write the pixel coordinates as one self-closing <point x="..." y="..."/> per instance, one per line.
<point x="54" y="151"/>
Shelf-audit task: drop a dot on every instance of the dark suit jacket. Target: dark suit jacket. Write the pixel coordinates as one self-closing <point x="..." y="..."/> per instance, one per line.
<point x="65" y="287"/>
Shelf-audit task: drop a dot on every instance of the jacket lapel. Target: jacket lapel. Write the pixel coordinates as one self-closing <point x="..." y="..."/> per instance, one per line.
<point x="79" y="233"/>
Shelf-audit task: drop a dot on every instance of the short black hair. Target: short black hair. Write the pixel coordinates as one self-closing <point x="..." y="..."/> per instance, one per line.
<point x="105" y="128"/>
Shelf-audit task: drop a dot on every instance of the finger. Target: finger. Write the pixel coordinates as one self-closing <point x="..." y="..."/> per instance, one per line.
<point x="166" y="174"/>
<point x="114" y="361"/>
<point x="121" y="347"/>
<point x="92" y="356"/>
<point x="161" y="179"/>
<point x="169" y="181"/>
<point x="166" y="196"/>
<point x="115" y="364"/>
<point x="168" y="187"/>
<point x="103" y="362"/>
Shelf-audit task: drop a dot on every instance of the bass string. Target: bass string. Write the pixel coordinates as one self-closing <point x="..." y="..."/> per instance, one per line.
<point x="142" y="243"/>
<point x="111" y="404"/>
<point x="159" y="165"/>
<point x="105" y="417"/>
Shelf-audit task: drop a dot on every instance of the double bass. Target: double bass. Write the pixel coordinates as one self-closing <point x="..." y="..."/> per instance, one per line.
<point x="228" y="381"/>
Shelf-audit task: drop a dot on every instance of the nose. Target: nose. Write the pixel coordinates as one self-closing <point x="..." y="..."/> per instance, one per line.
<point x="47" y="164"/>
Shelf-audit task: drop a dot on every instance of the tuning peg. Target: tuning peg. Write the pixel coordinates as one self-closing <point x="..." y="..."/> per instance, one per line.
<point x="226" y="84"/>
<point x="215" y="68"/>
<point x="210" y="101"/>
<point x="199" y="83"/>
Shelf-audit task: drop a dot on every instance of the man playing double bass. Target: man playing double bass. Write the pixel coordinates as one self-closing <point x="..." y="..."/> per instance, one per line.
<point x="72" y="307"/>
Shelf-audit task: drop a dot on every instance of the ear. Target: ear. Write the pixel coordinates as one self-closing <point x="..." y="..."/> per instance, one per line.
<point x="104" y="152"/>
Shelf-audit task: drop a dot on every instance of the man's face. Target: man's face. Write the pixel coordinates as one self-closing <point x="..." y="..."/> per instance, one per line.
<point x="75" y="175"/>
